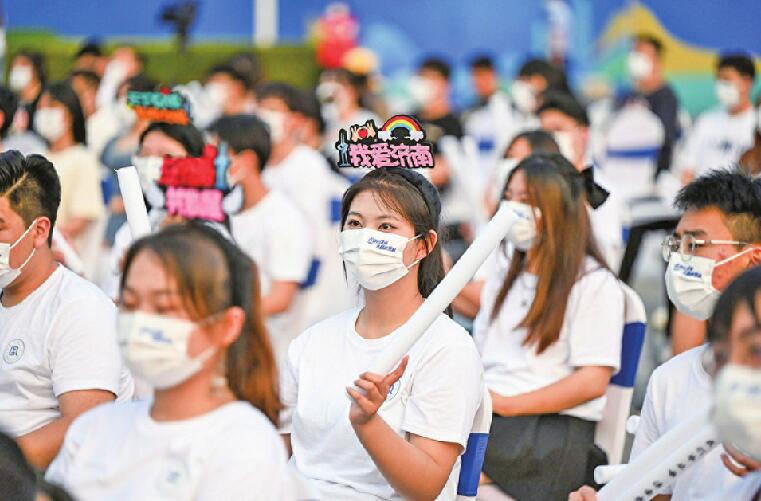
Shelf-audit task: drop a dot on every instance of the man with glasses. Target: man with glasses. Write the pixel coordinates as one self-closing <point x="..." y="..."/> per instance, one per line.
<point x="720" y="225"/>
<point x="718" y="237"/>
<point x="733" y="360"/>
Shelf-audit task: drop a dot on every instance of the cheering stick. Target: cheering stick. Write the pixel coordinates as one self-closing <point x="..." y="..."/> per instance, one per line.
<point x="660" y="463"/>
<point x="70" y="257"/>
<point x="134" y="205"/>
<point x="405" y="336"/>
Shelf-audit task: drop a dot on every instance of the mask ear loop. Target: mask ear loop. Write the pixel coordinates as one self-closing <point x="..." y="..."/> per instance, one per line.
<point x="414" y="263"/>
<point x="730" y="258"/>
<point x="34" y="249"/>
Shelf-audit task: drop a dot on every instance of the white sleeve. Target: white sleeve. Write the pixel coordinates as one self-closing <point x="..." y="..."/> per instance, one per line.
<point x="649" y="428"/>
<point x="72" y="441"/>
<point x="446" y="391"/>
<point x="483" y="317"/>
<point x="689" y="155"/>
<point x="289" y="383"/>
<point x="290" y="249"/>
<point x="83" y="352"/>
<point x="595" y="320"/>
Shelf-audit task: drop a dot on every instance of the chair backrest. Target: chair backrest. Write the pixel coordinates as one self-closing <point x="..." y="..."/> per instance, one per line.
<point x="472" y="460"/>
<point x="611" y="430"/>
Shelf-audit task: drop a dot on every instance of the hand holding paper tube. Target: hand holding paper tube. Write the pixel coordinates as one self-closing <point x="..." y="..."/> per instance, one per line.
<point x="134" y="205"/>
<point x="669" y="456"/>
<point x="460" y="274"/>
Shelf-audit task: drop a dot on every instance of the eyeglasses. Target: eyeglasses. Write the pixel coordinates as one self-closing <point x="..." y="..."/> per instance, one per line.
<point x="686" y="245"/>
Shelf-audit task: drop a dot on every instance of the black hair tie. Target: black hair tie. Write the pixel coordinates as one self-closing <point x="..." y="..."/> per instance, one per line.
<point x="596" y="194"/>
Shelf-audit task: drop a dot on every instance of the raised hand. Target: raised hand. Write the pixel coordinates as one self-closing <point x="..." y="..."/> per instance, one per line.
<point x="375" y="387"/>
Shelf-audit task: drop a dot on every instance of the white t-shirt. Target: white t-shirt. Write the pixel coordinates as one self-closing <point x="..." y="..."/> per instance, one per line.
<point x="676" y="389"/>
<point x="591" y="335"/>
<point x="717" y="140"/>
<point x="305" y="178"/>
<point x="81" y="196"/>
<point x="607" y="224"/>
<point x="437" y="398"/>
<point x="275" y="235"/>
<point x="61" y="338"/>
<point x="122" y="242"/>
<point x="118" y="452"/>
<point x="743" y="490"/>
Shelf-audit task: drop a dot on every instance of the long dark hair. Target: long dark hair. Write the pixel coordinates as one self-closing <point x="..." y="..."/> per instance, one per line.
<point x="62" y="92"/>
<point x="565" y="239"/>
<point x="212" y="275"/>
<point x="413" y="197"/>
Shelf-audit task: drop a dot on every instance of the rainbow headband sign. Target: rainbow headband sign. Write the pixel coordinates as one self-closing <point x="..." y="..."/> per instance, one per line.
<point x="399" y="143"/>
<point x="162" y="106"/>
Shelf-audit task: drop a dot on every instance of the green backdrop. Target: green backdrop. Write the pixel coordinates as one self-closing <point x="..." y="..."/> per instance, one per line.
<point x="294" y="64"/>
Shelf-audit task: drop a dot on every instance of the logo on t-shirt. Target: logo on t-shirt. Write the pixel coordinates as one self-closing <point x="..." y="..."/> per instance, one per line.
<point x="14" y="351"/>
<point x="393" y="390"/>
<point x="173" y="477"/>
<point x="399" y="143"/>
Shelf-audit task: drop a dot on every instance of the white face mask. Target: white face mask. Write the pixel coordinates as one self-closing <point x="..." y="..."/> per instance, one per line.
<point x="523" y="97"/>
<point x="7" y="274"/>
<point x="217" y="93"/>
<point x="326" y="91"/>
<point x="522" y="234"/>
<point x="155" y="348"/>
<point x="421" y="90"/>
<point x="148" y="170"/>
<point x="275" y="121"/>
<point x="19" y="78"/>
<point x="727" y="93"/>
<point x="48" y="122"/>
<point x="374" y="258"/>
<point x="737" y="409"/>
<point x="640" y="66"/>
<point x="689" y="284"/>
<point x="564" y="139"/>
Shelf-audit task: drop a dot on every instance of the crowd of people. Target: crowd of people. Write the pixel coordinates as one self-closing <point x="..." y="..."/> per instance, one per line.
<point x="228" y="359"/>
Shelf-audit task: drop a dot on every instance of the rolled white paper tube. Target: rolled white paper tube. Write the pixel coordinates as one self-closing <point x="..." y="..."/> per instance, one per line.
<point x="70" y="257"/>
<point x="604" y="474"/>
<point x="664" y="460"/>
<point x="405" y="336"/>
<point x="134" y="205"/>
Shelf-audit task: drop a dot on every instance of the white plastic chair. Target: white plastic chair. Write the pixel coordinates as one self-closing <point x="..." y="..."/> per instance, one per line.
<point x="472" y="460"/>
<point x="610" y="434"/>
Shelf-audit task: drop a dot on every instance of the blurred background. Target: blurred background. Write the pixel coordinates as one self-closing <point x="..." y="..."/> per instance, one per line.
<point x="592" y="37"/>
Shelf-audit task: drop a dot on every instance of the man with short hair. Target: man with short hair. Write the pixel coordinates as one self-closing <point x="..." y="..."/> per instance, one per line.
<point x="303" y="175"/>
<point x="57" y="331"/>
<point x="491" y="121"/>
<point x="269" y="228"/>
<point x="563" y="116"/>
<point x="720" y="136"/>
<point x="645" y="65"/>
<point x="230" y="89"/>
<point x="716" y="240"/>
